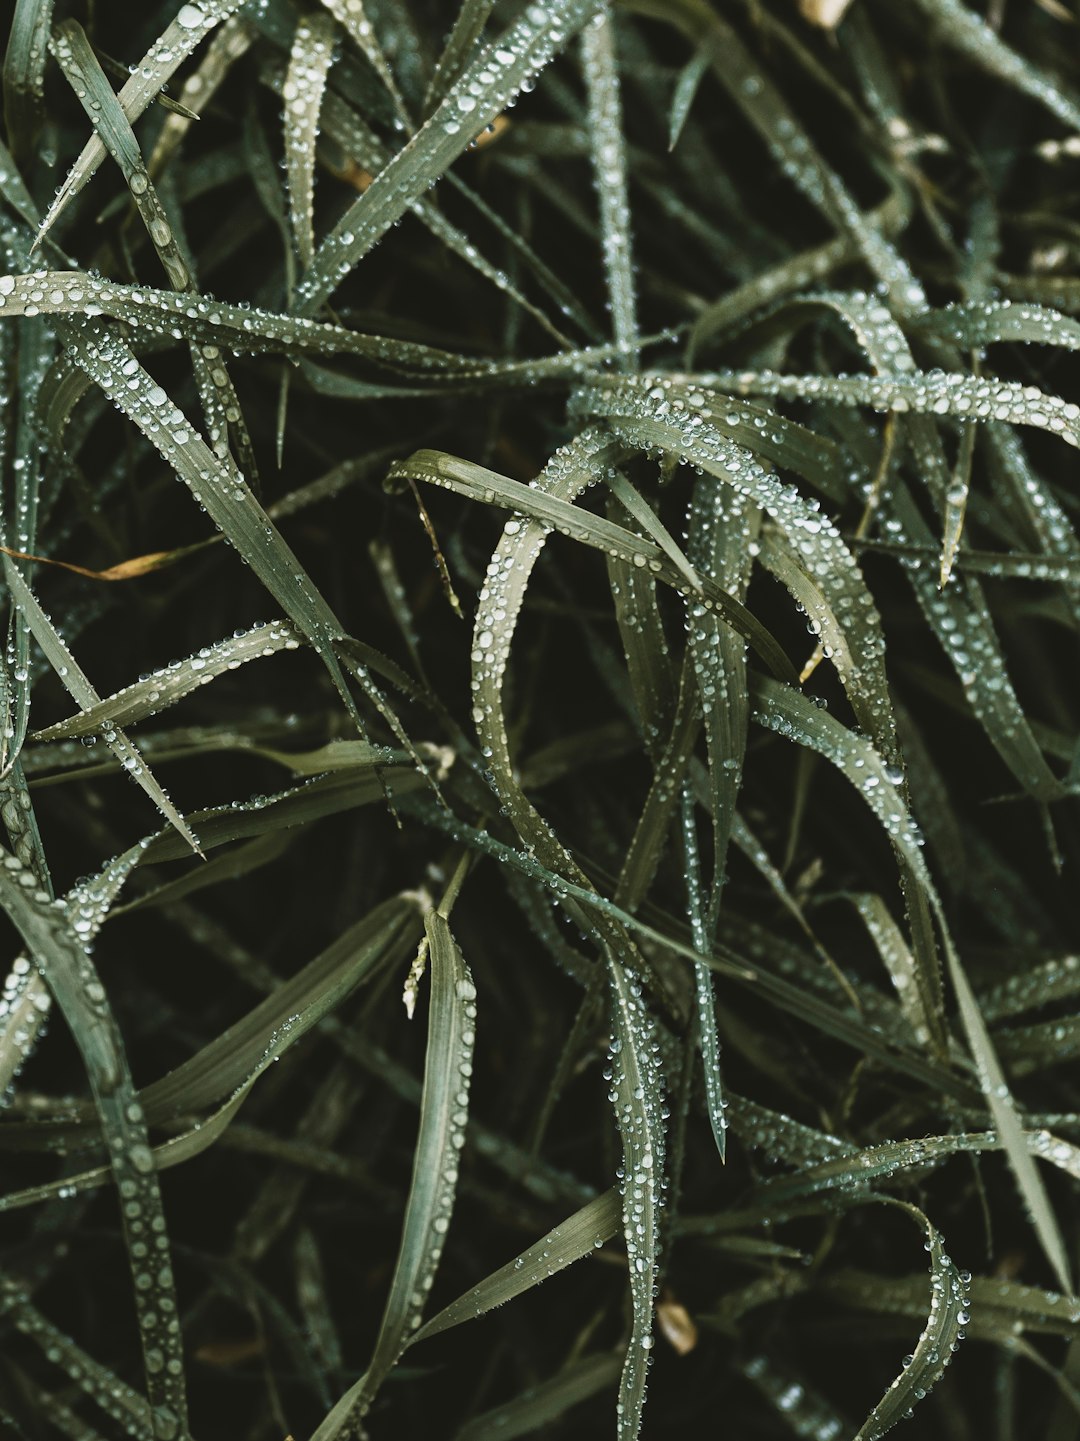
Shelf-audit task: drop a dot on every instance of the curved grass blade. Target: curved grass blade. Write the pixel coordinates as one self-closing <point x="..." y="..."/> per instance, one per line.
<point x="993" y="322"/>
<point x="443" y="1112"/>
<point x="366" y="150"/>
<point x="166" y="1154"/>
<point x="652" y="411"/>
<point x="325" y="796"/>
<point x="931" y="392"/>
<point x="242" y="861"/>
<point x="739" y="967"/>
<point x="83" y="72"/>
<point x="857" y="1170"/>
<point x="80" y="66"/>
<point x="223" y="1069"/>
<point x="949" y="1304"/>
<point x="164" y="687"/>
<point x="792" y="715"/>
<point x="907" y="976"/>
<point x="962" y="611"/>
<point x="552" y="512"/>
<point x="637" y="1091"/>
<point x="800" y="272"/>
<point x="254" y="331"/>
<point x="81" y="997"/>
<point x="998" y="1307"/>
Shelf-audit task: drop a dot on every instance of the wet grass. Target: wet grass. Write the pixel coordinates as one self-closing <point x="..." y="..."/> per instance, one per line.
<point x="598" y="713"/>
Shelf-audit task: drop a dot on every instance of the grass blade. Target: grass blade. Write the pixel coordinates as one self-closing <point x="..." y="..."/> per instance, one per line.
<point x="82" y="1000"/>
<point x="24" y="73"/>
<point x="188" y="29"/>
<point x="544" y="1403"/>
<point x="553" y="512"/>
<point x="578" y="1236"/>
<point x="443" y="1109"/>
<point x="933" y="1350"/>
<point x="471" y="104"/>
<point x="638" y="1097"/>
<point x="305" y="83"/>
<point x="84" y="694"/>
<point x="226" y="497"/>
<point x="609" y="171"/>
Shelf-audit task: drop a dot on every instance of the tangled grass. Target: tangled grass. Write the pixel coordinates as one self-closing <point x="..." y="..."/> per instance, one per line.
<point x="647" y="425"/>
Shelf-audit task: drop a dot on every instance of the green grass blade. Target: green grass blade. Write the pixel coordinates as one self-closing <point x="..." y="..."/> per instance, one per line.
<point x="92" y="89"/>
<point x="790" y="714"/>
<point x="443" y="1110"/>
<point x="472" y="103"/>
<point x="226" y="497"/>
<point x="251" y="330"/>
<point x="907" y="976"/>
<point x="84" y="695"/>
<point x="609" y="172"/>
<point x="638" y="1097"/>
<point x="579" y="1235"/>
<point x="353" y="19"/>
<point x="715" y="1101"/>
<point x="653" y="832"/>
<point x="191" y="25"/>
<point x="472" y="16"/>
<point x="685" y="92"/>
<point x="934" y="392"/>
<point x="24" y="73"/>
<point x="650" y="523"/>
<point x="305" y="83"/>
<point x="933" y="1351"/>
<point x="555" y="513"/>
<point x="83" y="1002"/>
<point x="164" y="687"/>
<point x="114" y="1397"/>
<point x="961" y="26"/>
<point x="1003" y="1109"/>
<point x="544" y="1403"/>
